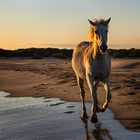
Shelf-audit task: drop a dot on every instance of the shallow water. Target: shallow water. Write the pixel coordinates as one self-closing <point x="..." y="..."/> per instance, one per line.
<point x="27" y="118"/>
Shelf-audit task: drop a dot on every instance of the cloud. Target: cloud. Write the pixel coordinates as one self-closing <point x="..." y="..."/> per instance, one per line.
<point x="53" y="45"/>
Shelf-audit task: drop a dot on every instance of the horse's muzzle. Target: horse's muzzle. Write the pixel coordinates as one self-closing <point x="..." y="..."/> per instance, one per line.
<point x="104" y="48"/>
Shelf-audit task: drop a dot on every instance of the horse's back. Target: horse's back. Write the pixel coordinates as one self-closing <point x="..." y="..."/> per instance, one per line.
<point x="77" y="59"/>
<point x="83" y="44"/>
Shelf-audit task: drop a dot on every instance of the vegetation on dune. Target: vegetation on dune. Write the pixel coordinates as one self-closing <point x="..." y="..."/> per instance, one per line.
<point x="122" y="53"/>
<point x="38" y="53"/>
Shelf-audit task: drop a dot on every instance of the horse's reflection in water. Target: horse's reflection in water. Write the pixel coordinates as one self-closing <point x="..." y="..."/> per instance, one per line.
<point x="97" y="133"/>
<point x="85" y="123"/>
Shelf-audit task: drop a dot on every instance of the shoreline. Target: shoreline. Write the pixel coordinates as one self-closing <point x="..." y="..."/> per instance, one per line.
<point x="115" y="114"/>
<point x="31" y="78"/>
<point x="38" y="115"/>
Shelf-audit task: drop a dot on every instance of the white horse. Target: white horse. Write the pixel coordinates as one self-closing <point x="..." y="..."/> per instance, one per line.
<point x="92" y="63"/>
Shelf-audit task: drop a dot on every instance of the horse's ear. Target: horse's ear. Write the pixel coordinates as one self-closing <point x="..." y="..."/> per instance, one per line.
<point x="107" y="21"/>
<point x="92" y="23"/>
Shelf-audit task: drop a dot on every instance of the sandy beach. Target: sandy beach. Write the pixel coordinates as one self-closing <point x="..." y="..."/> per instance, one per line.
<point x="55" y="78"/>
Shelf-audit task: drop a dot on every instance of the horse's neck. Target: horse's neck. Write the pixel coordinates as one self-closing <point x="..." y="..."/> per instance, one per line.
<point x="93" y="51"/>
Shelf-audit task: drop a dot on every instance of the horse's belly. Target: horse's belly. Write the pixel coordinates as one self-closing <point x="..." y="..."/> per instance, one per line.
<point x="78" y="69"/>
<point x="77" y="65"/>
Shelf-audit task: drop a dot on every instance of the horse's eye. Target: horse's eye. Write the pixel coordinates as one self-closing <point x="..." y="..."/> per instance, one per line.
<point x="96" y="32"/>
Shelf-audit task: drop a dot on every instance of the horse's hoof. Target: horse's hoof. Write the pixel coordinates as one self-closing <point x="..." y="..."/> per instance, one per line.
<point x="93" y="119"/>
<point x="84" y="116"/>
<point x="102" y="109"/>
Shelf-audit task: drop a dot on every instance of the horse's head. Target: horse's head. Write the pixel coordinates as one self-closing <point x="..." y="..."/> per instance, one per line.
<point x="98" y="33"/>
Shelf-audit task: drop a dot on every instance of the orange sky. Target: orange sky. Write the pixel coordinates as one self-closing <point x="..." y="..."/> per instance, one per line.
<point x="43" y="23"/>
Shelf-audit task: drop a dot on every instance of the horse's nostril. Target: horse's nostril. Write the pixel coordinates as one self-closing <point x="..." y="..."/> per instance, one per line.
<point x="104" y="48"/>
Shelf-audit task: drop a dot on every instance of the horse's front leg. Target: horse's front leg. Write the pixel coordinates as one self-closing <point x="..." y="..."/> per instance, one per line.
<point x="106" y="84"/>
<point x="93" y="88"/>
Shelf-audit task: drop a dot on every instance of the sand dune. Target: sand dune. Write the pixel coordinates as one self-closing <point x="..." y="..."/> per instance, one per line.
<point x="126" y="64"/>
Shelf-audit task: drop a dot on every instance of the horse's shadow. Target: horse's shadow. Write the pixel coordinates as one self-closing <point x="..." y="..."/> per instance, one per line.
<point x="97" y="133"/>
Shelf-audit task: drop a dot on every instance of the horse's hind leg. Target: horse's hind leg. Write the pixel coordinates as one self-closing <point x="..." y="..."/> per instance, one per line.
<point x="82" y="93"/>
<point x="108" y="95"/>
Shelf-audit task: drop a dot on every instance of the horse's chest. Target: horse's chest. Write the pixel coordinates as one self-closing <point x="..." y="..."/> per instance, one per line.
<point x="99" y="71"/>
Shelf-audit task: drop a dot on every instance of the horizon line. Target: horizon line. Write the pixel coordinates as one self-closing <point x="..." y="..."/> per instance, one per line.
<point x="72" y="46"/>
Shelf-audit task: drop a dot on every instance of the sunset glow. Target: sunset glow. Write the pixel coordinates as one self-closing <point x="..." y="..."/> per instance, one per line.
<point x="64" y="23"/>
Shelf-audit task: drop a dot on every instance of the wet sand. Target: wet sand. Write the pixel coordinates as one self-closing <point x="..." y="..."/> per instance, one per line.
<point x="55" y="78"/>
<point x="53" y="119"/>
